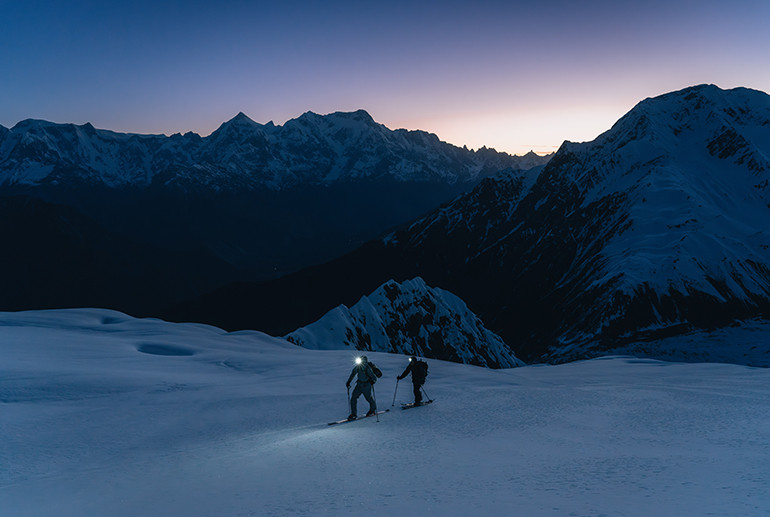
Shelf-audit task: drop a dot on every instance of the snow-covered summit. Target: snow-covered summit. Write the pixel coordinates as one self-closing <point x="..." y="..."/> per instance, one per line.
<point x="409" y="318"/>
<point x="688" y="173"/>
<point x="700" y="127"/>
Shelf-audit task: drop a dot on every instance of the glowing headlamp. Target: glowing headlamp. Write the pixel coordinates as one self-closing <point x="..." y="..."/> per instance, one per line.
<point x="358" y="360"/>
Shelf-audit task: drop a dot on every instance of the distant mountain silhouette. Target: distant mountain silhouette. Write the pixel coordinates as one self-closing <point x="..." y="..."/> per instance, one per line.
<point x="250" y="201"/>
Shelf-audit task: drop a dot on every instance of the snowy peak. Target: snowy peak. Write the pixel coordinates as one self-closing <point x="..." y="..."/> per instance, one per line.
<point x="697" y="128"/>
<point x="338" y="117"/>
<point x="32" y="125"/>
<point x="677" y="194"/>
<point x="362" y="116"/>
<point x="409" y="318"/>
<point x="242" y="118"/>
<point x="689" y="175"/>
<point x="238" y="123"/>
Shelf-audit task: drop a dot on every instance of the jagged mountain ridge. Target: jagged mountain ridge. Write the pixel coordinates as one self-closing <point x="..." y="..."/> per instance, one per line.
<point x="259" y="200"/>
<point x="242" y="154"/>
<point x="409" y="318"/>
<point x="659" y="225"/>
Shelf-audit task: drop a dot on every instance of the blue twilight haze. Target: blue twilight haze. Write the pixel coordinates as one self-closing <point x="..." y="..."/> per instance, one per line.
<point x="511" y="75"/>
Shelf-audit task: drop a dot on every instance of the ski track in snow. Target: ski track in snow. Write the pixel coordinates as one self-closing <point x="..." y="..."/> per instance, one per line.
<point x="210" y="423"/>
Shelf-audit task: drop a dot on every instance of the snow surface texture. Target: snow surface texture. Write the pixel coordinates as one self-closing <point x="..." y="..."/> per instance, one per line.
<point x="101" y="414"/>
<point x="409" y="318"/>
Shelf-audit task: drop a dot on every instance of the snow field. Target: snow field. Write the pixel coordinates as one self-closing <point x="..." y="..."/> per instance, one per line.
<point x="102" y="414"/>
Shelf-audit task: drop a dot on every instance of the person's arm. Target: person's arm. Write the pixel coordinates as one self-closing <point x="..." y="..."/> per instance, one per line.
<point x="352" y="374"/>
<point x="406" y="372"/>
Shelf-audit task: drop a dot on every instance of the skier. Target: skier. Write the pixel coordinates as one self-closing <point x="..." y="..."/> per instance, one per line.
<point x="364" y="384"/>
<point x="419" y="371"/>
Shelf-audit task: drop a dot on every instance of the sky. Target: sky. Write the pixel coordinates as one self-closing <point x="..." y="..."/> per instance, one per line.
<point x="513" y="75"/>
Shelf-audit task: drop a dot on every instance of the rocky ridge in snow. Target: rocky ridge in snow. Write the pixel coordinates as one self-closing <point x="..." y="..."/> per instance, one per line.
<point x="241" y="154"/>
<point x="409" y="318"/>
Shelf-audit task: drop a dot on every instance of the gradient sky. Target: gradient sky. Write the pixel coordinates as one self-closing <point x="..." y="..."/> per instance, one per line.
<point x="511" y="75"/>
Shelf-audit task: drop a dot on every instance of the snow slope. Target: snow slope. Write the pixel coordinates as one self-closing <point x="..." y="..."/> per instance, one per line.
<point x="101" y="414"/>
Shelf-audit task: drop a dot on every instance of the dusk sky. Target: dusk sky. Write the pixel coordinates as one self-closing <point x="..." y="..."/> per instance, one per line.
<point x="511" y="75"/>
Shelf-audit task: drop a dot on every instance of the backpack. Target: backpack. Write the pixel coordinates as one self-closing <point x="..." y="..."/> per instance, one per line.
<point x="376" y="370"/>
<point x="420" y="371"/>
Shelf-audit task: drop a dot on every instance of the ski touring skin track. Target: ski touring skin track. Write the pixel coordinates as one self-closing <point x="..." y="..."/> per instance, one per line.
<point x="409" y="406"/>
<point x="359" y="418"/>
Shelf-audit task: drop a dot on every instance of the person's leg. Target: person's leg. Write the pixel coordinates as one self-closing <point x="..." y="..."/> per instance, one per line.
<point x="367" y="392"/>
<point x="417" y="393"/>
<point x="354" y="400"/>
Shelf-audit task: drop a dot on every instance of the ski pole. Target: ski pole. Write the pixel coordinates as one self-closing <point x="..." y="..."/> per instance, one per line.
<point x="350" y="403"/>
<point x="394" y="393"/>
<point x="426" y="393"/>
<point x="374" y="397"/>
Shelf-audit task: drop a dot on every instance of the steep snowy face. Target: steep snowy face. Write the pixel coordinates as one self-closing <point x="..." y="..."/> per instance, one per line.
<point x="311" y="149"/>
<point x="409" y="318"/>
<point x="683" y="182"/>
<point x="706" y="184"/>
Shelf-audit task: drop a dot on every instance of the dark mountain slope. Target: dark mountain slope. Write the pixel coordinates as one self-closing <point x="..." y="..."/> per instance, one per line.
<point x="54" y="257"/>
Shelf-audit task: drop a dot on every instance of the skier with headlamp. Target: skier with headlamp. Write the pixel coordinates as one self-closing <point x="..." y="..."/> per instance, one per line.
<point x="364" y="384"/>
<point x="419" y="371"/>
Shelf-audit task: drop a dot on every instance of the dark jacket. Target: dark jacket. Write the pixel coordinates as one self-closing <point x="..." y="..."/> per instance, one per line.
<point x="365" y="373"/>
<point x="417" y="370"/>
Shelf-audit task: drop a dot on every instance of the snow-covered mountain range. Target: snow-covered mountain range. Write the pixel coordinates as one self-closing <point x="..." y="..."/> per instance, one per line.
<point x="659" y="226"/>
<point x="241" y="155"/>
<point x="409" y="318"/>
<point x="252" y="201"/>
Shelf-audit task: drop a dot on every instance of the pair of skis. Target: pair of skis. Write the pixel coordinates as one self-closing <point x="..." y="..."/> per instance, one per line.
<point x="409" y="406"/>
<point x="359" y="418"/>
<point x="403" y="406"/>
